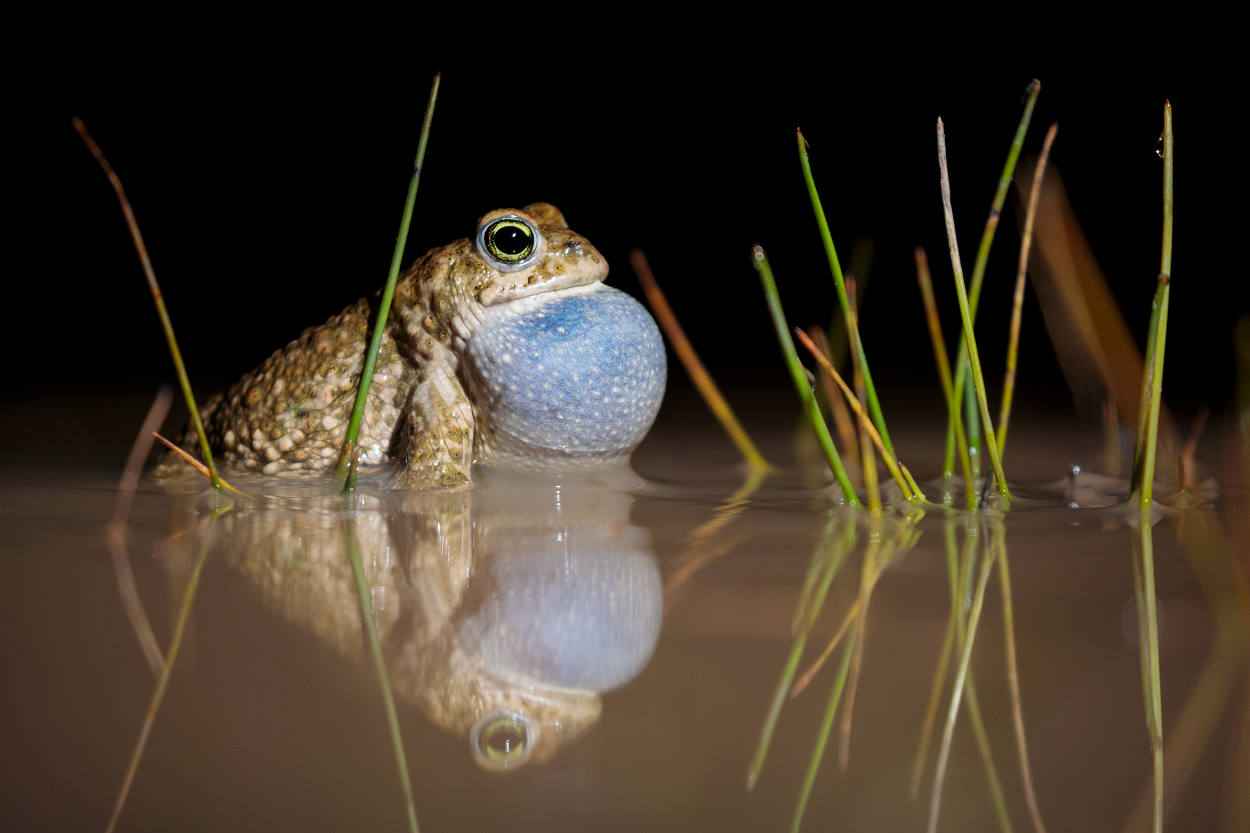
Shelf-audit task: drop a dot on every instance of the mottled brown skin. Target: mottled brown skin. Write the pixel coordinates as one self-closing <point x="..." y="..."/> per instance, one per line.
<point x="290" y="414"/>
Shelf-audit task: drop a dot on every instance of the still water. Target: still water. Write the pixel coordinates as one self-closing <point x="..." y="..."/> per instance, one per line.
<point x="587" y="652"/>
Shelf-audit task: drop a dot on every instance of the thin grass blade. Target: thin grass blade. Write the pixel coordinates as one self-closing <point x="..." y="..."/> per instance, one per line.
<point x="1207" y="705"/>
<point x="799" y="376"/>
<point x="978" y="378"/>
<point x="961" y="677"/>
<point x="379" y="663"/>
<point x="938" y="340"/>
<point x="983" y="257"/>
<point x="837" y="407"/>
<point x="822" y="738"/>
<point x="384" y="307"/>
<point x="194" y="463"/>
<point x="149" y="273"/>
<point x="162" y="683"/>
<point x="939" y="676"/>
<point x="1017" y="306"/>
<point x="116" y="532"/>
<point x="971" y="701"/>
<point x="1013" y="681"/>
<point x="852" y="615"/>
<point x="848" y="307"/>
<point x="1148" y="624"/>
<point x="876" y="553"/>
<point x="833" y="548"/>
<point x="852" y="400"/>
<point x="703" y="546"/>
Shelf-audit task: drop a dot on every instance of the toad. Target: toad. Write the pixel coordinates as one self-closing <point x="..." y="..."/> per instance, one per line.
<point x="505" y="349"/>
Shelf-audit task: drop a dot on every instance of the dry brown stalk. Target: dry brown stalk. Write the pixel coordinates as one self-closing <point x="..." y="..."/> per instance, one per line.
<point x="196" y="464"/>
<point x="853" y="401"/>
<point x="841" y="418"/>
<point x="1017" y="307"/>
<point x="116" y="532"/>
<point x="690" y="359"/>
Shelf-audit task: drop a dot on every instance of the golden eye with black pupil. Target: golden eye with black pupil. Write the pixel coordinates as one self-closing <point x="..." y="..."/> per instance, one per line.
<point x="509" y="241"/>
<point x="501" y="740"/>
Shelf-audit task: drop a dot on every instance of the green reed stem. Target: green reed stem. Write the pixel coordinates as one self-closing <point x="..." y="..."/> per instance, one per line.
<point x="774" y="708"/>
<point x="944" y="373"/>
<point x="1147" y="444"/>
<point x="1147" y="381"/>
<point x="838" y="549"/>
<point x="1169" y="152"/>
<point x="822" y="736"/>
<point x="815" y="569"/>
<point x="1017" y="305"/>
<point x="976" y="446"/>
<point x="835" y="551"/>
<point x="384" y="308"/>
<point x="978" y="378"/>
<point x="848" y="310"/>
<point x="911" y="482"/>
<point x="1148" y="651"/>
<point x="983" y="256"/>
<point x="162" y="682"/>
<point x="961" y="677"/>
<point x="158" y="298"/>
<point x="760" y="261"/>
<point x="1159" y="325"/>
<point x="379" y="662"/>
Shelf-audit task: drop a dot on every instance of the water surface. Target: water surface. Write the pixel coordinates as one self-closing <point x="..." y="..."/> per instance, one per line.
<point x="638" y="620"/>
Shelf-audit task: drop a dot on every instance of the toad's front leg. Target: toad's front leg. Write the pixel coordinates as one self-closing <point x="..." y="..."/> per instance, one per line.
<point x="438" y="429"/>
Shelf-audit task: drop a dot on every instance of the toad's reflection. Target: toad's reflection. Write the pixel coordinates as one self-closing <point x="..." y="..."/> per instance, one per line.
<point x="503" y="613"/>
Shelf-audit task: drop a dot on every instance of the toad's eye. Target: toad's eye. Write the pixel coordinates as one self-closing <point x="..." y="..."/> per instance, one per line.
<point x="509" y="241"/>
<point x="501" y="741"/>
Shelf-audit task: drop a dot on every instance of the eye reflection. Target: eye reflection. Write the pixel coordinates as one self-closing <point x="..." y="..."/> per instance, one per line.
<point x="501" y="741"/>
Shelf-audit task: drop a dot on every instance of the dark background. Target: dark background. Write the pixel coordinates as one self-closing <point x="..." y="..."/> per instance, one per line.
<point x="268" y="174"/>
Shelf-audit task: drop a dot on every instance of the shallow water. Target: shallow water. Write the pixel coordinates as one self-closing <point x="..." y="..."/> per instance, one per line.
<point x="588" y="602"/>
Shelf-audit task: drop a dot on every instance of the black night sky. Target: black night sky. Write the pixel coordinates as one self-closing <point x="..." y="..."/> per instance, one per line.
<point x="268" y="176"/>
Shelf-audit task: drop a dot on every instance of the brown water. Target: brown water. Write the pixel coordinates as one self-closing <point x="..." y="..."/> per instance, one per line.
<point x="658" y="656"/>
